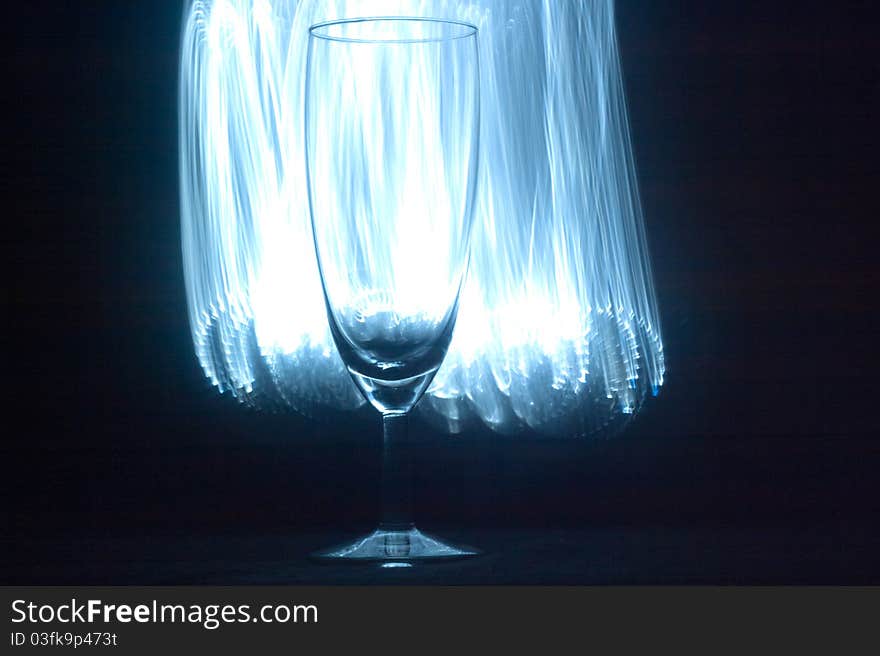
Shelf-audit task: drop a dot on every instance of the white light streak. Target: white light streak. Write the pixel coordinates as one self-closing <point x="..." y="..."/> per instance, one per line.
<point x="558" y="329"/>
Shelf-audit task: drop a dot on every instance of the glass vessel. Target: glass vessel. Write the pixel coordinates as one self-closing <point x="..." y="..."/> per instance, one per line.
<point x="392" y="115"/>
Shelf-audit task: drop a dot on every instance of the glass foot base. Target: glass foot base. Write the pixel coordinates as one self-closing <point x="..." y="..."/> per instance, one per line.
<point x="395" y="547"/>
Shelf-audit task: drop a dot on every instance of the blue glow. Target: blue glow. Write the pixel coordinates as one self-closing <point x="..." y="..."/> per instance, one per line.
<point x="558" y="330"/>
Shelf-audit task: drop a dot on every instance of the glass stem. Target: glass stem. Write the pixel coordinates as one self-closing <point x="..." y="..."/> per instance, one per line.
<point x="396" y="474"/>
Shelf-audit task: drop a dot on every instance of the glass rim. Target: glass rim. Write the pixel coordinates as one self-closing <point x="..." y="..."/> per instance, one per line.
<point x="469" y="29"/>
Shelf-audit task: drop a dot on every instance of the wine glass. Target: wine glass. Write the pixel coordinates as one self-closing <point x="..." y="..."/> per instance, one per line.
<point x="392" y="114"/>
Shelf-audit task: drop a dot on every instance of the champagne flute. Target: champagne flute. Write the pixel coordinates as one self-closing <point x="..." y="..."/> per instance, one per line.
<point x="392" y="121"/>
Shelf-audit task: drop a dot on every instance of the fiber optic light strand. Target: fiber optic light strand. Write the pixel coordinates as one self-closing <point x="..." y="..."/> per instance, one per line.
<point x="558" y="328"/>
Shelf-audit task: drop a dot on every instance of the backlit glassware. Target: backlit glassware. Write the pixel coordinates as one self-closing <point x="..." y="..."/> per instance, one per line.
<point x="392" y="137"/>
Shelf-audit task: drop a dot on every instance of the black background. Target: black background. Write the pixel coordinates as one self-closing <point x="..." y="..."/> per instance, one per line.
<point x="756" y="143"/>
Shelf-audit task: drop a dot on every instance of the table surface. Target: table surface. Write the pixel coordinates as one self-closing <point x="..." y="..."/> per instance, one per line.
<point x="844" y="553"/>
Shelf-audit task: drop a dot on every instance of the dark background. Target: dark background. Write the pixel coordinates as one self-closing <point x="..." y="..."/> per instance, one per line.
<point x="756" y="143"/>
